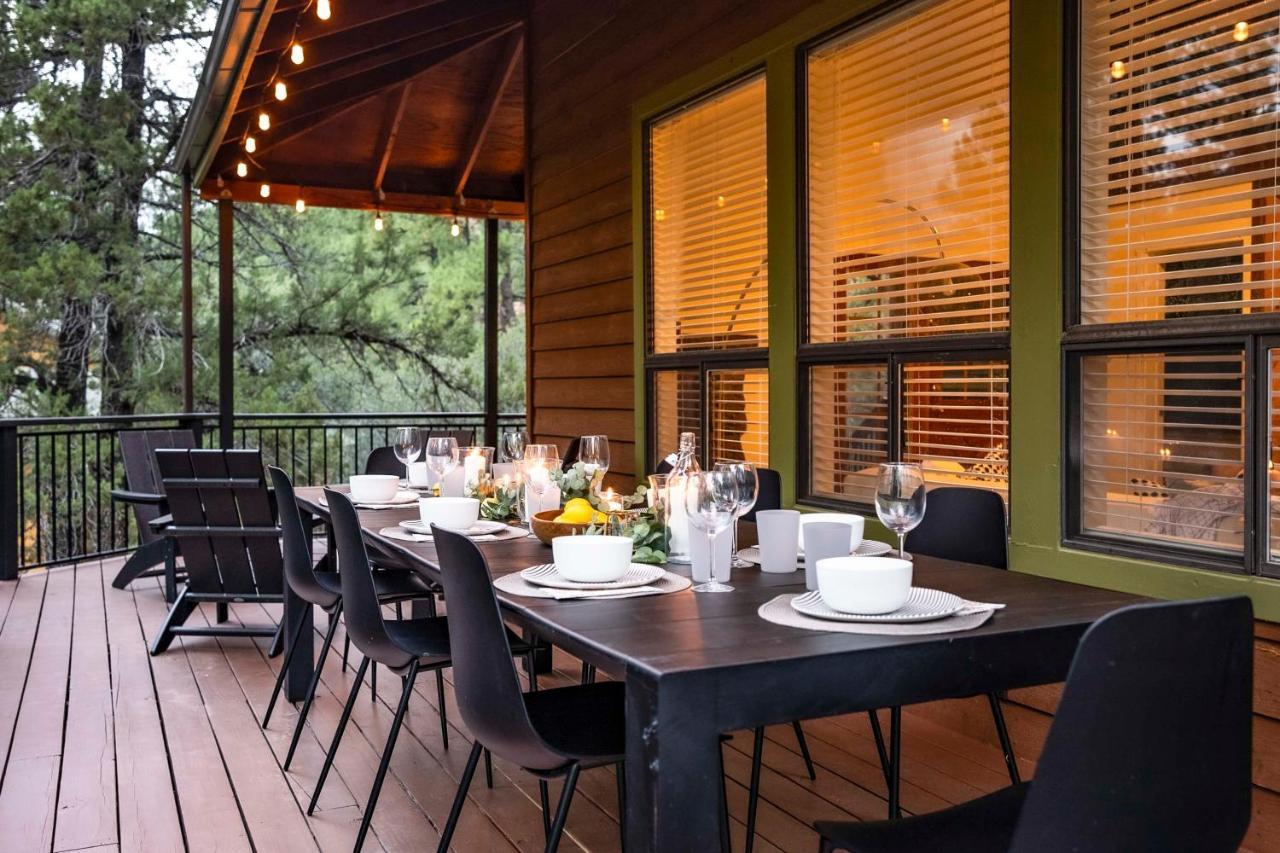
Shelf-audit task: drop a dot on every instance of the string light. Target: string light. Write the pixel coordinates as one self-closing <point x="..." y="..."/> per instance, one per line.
<point x="456" y="228"/>
<point x="946" y="125"/>
<point x="264" y="121"/>
<point x="265" y="190"/>
<point x="242" y="169"/>
<point x="1241" y="31"/>
<point x="281" y="91"/>
<point x="295" y="53"/>
<point x="1118" y="70"/>
<point x="250" y="144"/>
<point x="300" y="205"/>
<point x="322" y="10"/>
<point x="377" y="221"/>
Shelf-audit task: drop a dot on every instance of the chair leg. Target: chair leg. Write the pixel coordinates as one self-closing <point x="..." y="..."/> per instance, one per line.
<point x="804" y="750"/>
<point x="311" y="692"/>
<point x="1006" y="743"/>
<point x="337" y="735"/>
<point x="222" y="612"/>
<point x="878" y="734"/>
<point x="405" y="695"/>
<point x="444" y="719"/>
<point x="562" y="811"/>
<point x="182" y="608"/>
<point x="588" y="673"/>
<point x="284" y="670"/>
<point x="459" y="798"/>
<point x="346" y="649"/>
<point x="895" y="761"/>
<point x="532" y="663"/>
<point x="725" y="841"/>
<point x="170" y="569"/>
<point x="620" y="769"/>
<point x="753" y="792"/>
<point x="277" y="641"/>
<point x="488" y="769"/>
<point x="142" y="560"/>
<point x="546" y="808"/>
<point x="373" y="683"/>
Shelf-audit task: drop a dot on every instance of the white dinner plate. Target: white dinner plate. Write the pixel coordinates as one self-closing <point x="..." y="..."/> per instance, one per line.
<point x="924" y="605"/>
<point x="866" y="548"/>
<point x="480" y="528"/>
<point x="638" y="575"/>
<point x="404" y="497"/>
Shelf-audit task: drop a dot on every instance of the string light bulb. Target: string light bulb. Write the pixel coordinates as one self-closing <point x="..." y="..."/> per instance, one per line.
<point x="322" y="10"/>
<point x="300" y="205"/>
<point x="946" y="125"/>
<point x="281" y="90"/>
<point x="1241" y="31"/>
<point x="242" y="169"/>
<point x="250" y="144"/>
<point x="1118" y="70"/>
<point x="264" y="121"/>
<point x="377" y="221"/>
<point x="265" y="190"/>
<point x="456" y="228"/>
<point x="295" y="53"/>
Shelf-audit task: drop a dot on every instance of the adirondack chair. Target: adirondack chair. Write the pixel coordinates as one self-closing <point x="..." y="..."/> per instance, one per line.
<point x="150" y="511"/>
<point x="223" y="518"/>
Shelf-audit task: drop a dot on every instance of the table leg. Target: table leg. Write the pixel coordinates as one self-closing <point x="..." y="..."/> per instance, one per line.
<point x="297" y="614"/>
<point x="673" y="789"/>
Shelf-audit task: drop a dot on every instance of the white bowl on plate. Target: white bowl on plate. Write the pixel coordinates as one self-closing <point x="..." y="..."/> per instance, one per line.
<point x="855" y="522"/>
<point x="450" y="513"/>
<point x="374" y="488"/>
<point x="592" y="559"/>
<point x="864" y="585"/>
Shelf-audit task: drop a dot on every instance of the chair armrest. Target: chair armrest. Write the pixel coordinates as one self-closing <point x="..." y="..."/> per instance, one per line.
<point x="159" y="524"/>
<point x="129" y="497"/>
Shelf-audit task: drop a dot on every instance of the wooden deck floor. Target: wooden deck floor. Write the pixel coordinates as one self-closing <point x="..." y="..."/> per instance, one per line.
<point x="107" y="748"/>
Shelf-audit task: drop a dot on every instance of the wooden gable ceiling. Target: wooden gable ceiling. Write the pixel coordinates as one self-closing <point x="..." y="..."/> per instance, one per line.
<point x="414" y="105"/>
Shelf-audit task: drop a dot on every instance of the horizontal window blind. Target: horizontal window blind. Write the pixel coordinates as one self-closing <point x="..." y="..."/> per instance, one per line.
<point x="677" y="408"/>
<point x="848" y="430"/>
<point x="1178" y="211"/>
<point x="956" y="422"/>
<point x="1273" y="454"/>
<point x="908" y="175"/>
<point x="1162" y="447"/>
<point x="739" y="413"/>
<point x="708" y="229"/>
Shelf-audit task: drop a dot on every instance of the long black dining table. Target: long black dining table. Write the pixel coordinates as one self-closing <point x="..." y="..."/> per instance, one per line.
<point x="696" y="665"/>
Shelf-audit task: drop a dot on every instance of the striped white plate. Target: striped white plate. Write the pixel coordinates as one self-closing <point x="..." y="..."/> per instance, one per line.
<point x="866" y="548"/>
<point x="924" y="605"/>
<point x="638" y="575"/>
<point x="480" y="528"/>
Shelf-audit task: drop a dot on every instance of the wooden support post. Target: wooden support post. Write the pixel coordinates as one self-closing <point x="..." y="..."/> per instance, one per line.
<point x="188" y="323"/>
<point x="10" y="502"/>
<point x="226" y="323"/>
<point x="491" y="332"/>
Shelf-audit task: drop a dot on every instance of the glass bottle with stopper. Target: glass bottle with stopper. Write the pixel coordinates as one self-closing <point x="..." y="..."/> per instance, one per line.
<point x="684" y="464"/>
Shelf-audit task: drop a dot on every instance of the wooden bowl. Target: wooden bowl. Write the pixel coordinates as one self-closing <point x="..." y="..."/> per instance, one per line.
<point x="546" y="528"/>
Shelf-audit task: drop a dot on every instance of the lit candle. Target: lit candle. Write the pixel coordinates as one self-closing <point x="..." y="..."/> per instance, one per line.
<point x="610" y="501"/>
<point x="472" y="468"/>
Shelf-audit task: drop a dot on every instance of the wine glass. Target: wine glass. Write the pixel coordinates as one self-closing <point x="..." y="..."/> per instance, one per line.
<point x="534" y="452"/>
<point x="900" y="499"/>
<point x="442" y="458"/>
<point x="593" y="453"/>
<point x="514" y="443"/>
<point x="711" y="498"/>
<point x="747" y="482"/>
<point x="407" y="445"/>
<point x="537" y="475"/>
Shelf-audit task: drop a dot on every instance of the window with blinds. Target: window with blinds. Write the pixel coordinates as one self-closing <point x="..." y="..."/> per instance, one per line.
<point x="1162" y="447"/>
<point x="1178" y="144"/>
<point x="677" y="408"/>
<point x="1273" y="455"/>
<point x="848" y="430"/>
<point x="708" y="246"/>
<point x="956" y="422"/>
<point x="908" y="174"/>
<point x="739" y="415"/>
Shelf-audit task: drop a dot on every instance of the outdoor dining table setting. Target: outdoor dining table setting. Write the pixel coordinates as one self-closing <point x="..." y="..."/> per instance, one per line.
<point x="717" y="613"/>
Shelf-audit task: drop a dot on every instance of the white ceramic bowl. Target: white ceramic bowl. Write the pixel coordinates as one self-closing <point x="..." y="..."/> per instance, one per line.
<point x="449" y="513"/>
<point x="864" y="585"/>
<point x="855" y="523"/>
<point x="374" y="488"/>
<point x="592" y="559"/>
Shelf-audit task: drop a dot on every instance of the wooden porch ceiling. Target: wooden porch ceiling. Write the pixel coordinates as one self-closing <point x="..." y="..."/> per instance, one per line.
<point x="402" y="105"/>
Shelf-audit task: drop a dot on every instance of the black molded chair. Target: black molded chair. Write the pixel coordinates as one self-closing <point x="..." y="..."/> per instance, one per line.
<point x="145" y="495"/>
<point x="322" y="589"/>
<point x="571" y="453"/>
<point x="1149" y="750"/>
<point x="551" y="733"/>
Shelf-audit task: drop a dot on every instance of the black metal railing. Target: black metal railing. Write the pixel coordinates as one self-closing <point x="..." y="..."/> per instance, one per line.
<point x="56" y="474"/>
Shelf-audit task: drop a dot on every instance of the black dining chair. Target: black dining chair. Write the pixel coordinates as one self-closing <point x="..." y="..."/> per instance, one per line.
<point x="550" y="733"/>
<point x="1150" y="749"/>
<point x="321" y="589"/>
<point x="383" y="460"/>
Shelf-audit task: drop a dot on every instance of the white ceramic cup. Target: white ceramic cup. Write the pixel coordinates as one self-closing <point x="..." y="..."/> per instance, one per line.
<point x="855" y="522"/>
<point x="864" y="585"/>
<point x="374" y="488"/>
<point x="778" y="532"/>
<point x="592" y="559"/>
<point x="420" y="475"/>
<point x="450" y="513"/>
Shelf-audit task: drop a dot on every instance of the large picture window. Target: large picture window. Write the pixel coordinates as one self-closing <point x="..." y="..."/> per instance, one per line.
<point x="1169" y="373"/>
<point x="707" y="312"/>
<point x="906" y="299"/>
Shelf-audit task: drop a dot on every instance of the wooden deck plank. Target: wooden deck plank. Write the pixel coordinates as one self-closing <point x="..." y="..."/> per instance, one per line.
<point x="87" y="791"/>
<point x="17" y="643"/>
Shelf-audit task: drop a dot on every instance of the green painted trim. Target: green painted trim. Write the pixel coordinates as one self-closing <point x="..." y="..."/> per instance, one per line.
<point x="639" y="342"/>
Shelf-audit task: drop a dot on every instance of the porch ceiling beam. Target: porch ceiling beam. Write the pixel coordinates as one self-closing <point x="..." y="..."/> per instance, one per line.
<point x="388" y="141"/>
<point x="489" y="107"/>
<point x="359" y="199"/>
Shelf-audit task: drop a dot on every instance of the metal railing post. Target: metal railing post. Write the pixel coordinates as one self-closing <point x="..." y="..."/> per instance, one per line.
<point x="10" y="518"/>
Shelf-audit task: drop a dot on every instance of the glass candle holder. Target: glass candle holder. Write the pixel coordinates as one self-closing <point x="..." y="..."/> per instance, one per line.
<point x="660" y="505"/>
<point x="477" y="466"/>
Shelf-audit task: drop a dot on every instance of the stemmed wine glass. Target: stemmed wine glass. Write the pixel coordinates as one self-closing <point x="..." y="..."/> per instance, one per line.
<point x="900" y="499"/>
<point x="442" y="458"/>
<point x="407" y="445"/>
<point x="514" y="443"/>
<point x="593" y="453"/>
<point x="747" y="483"/>
<point x="711" y="498"/>
<point x="539" y="461"/>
